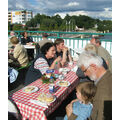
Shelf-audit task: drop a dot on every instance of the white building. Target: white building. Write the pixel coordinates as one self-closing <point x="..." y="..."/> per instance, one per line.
<point x="19" y="16"/>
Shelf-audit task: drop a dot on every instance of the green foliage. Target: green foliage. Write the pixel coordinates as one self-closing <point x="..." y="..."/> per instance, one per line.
<point x="58" y="19"/>
<point x="9" y="26"/>
<point x="105" y="25"/>
<point x="45" y="79"/>
<point x="56" y="27"/>
<point x="18" y="27"/>
<point x="63" y="26"/>
<point x="67" y="17"/>
<point x="50" y="23"/>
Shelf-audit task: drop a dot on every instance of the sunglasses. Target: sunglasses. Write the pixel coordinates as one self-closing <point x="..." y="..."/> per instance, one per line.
<point x="86" y="69"/>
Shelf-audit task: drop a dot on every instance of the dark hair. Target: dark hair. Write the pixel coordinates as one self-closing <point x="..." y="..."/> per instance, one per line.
<point x="87" y="90"/>
<point x="24" y="33"/>
<point x="46" y="47"/>
<point x="58" y="41"/>
<point x="98" y="41"/>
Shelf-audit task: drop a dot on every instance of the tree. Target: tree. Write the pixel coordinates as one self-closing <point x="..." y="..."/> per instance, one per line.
<point x="63" y="26"/>
<point x="57" y="23"/>
<point x="58" y="19"/>
<point x="18" y="27"/>
<point x="9" y="26"/>
<point x="33" y="23"/>
<point x="28" y="24"/>
<point x="105" y="25"/>
<point x="48" y="24"/>
<point x="56" y="27"/>
<point x="67" y="18"/>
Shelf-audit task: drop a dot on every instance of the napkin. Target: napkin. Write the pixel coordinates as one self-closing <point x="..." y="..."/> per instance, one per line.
<point x="39" y="103"/>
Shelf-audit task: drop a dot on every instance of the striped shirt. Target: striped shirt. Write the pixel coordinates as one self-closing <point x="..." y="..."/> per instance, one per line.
<point x="41" y="64"/>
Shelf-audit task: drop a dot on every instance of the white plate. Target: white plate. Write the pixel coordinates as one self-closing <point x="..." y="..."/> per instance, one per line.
<point x="63" y="85"/>
<point x="54" y="98"/>
<point x="32" y="91"/>
<point x="66" y="69"/>
<point x="70" y="63"/>
<point x="60" y="70"/>
<point x="37" y="102"/>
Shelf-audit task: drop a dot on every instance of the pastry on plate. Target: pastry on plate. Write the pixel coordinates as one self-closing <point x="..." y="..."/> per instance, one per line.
<point x="29" y="89"/>
<point x="63" y="83"/>
<point x="49" y="98"/>
<point x="45" y="98"/>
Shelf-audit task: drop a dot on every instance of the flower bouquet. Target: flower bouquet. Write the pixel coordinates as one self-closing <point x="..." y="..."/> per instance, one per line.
<point x="46" y="78"/>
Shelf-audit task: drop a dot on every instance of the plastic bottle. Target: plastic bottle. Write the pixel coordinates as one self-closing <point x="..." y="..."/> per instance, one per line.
<point x="49" y="72"/>
<point x="51" y="85"/>
<point x="51" y="79"/>
<point x="56" y="70"/>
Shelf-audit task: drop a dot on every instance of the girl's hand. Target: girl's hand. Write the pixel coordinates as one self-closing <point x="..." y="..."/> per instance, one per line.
<point x="69" y="110"/>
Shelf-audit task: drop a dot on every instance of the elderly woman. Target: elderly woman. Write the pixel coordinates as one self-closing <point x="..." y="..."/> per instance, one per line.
<point x="20" y="57"/>
<point x="43" y="62"/>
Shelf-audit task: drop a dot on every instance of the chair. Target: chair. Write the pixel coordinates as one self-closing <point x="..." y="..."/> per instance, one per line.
<point x="22" y="73"/>
<point x="20" y="79"/>
<point x="38" y="52"/>
<point x="24" y="67"/>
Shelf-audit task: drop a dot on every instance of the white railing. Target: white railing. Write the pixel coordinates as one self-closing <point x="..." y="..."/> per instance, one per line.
<point x="76" y="46"/>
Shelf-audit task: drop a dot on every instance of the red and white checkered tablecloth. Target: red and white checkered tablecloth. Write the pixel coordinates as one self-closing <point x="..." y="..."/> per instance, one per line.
<point x="32" y="111"/>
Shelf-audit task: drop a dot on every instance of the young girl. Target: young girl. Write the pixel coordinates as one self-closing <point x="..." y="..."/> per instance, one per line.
<point x="81" y="108"/>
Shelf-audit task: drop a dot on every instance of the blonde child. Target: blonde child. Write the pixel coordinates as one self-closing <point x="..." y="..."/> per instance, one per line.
<point x="81" y="108"/>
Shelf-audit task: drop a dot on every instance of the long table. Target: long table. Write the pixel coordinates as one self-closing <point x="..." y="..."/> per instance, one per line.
<point x="32" y="111"/>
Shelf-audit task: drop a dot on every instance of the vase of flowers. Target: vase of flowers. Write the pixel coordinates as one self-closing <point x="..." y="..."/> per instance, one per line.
<point x="46" y="78"/>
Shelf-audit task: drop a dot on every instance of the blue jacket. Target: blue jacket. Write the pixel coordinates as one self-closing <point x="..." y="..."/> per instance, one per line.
<point x="82" y="111"/>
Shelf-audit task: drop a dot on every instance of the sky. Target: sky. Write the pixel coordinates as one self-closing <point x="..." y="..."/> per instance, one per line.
<point x="101" y="9"/>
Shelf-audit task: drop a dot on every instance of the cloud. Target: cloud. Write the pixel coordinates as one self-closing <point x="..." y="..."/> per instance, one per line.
<point x="106" y="14"/>
<point x="107" y="9"/>
<point x="19" y="6"/>
<point x="72" y="4"/>
<point x="95" y="8"/>
<point x="77" y="13"/>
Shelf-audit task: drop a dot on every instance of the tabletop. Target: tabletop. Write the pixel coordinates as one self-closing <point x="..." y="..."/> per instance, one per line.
<point x="29" y="46"/>
<point x="37" y="112"/>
